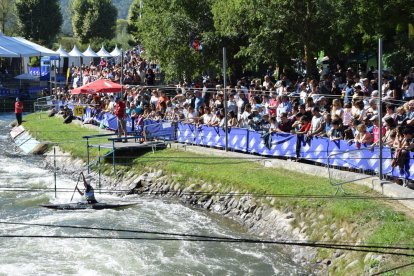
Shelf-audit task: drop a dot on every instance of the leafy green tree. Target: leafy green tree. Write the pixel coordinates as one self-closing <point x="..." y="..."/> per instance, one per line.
<point x="39" y="20"/>
<point x="134" y="13"/>
<point x="166" y="28"/>
<point x="7" y="14"/>
<point x="276" y="30"/>
<point x="93" y="20"/>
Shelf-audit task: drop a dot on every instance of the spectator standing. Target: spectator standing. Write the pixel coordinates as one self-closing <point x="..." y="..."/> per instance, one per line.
<point x="317" y="123"/>
<point x="408" y="88"/>
<point x="120" y="113"/>
<point x="18" y="109"/>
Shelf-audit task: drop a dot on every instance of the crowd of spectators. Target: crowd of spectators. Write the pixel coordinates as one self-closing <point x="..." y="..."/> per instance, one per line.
<point x="341" y="104"/>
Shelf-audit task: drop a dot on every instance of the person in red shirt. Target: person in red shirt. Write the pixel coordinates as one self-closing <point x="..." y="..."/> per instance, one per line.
<point x="120" y="113"/>
<point x="305" y="125"/>
<point x="18" y="109"/>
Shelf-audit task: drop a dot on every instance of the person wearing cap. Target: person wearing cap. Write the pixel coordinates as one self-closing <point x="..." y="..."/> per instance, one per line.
<point x="88" y="194"/>
<point x="120" y="113"/>
<point x="18" y="110"/>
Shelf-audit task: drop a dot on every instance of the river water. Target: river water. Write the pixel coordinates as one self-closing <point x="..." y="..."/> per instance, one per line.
<point x="88" y="256"/>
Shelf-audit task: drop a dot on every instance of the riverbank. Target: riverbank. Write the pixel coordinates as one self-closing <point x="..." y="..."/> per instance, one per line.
<point x="228" y="185"/>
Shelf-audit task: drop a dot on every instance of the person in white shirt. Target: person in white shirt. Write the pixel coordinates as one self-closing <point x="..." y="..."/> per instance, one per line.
<point x="317" y="124"/>
<point x="244" y="118"/>
<point x="207" y="117"/>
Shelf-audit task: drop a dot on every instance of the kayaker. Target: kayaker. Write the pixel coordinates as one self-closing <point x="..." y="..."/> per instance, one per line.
<point x="88" y="194"/>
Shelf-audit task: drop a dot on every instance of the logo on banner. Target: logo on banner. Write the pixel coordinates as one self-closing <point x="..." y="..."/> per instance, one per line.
<point x="78" y="111"/>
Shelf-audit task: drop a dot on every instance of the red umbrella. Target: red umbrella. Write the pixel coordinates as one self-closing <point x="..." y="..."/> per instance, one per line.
<point x="99" y="86"/>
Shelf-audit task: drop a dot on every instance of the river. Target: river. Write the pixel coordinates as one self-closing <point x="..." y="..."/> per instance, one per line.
<point x="89" y="256"/>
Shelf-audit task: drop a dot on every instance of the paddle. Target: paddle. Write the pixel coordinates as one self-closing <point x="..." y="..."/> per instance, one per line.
<point x="75" y="187"/>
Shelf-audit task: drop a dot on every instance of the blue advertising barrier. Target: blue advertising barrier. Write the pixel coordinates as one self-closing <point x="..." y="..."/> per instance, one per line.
<point x="238" y="139"/>
<point x="186" y="133"/>
<point x="161" y="129"/>
<point x="313" y="148"/>
<point x="317" y="149"/>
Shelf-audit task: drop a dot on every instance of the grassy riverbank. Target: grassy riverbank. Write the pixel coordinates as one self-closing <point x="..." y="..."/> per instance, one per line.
<point x="330" y="219"/>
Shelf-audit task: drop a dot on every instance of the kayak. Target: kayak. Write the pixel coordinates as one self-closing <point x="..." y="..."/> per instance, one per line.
<point x="84" y="205"/>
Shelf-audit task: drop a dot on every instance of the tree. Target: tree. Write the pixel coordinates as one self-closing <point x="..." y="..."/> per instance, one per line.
<point x="93" y="19"/>
<point x="7" y="15"/>
<point x="167" y="29"/>
<point x="134" y="14"/>
<point x="39" y="20"/>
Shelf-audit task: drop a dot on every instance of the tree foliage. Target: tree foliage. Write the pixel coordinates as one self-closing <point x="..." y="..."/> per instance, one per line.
<point x="93" y="20"/>
<point x="258" y="33"/>
<point x="7" y="15"/>
<point x="39" y="20"/>
<point x="166" y="28"/>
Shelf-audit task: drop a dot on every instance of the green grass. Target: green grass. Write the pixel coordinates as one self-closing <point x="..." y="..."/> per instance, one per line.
<point x="67" y="136"/>
<point x="373" y="220"/>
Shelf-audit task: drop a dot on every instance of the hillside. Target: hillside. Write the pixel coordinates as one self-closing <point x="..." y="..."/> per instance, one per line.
<point x="122" y="5"/>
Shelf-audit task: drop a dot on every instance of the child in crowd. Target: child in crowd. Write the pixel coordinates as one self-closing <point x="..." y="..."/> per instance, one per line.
<point x="363" y="136"/>
<point x="337" y="132"/>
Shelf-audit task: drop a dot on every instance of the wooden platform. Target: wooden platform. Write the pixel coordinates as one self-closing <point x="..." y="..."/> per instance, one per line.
<point x="132" y="144"/>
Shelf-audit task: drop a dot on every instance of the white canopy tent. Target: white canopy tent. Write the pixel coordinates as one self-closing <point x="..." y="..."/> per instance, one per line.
<point x="103" y="53"/>
<point x="89" y="54"/>
<point x="17" y="47"/>
<point x="43" y="51"/>
<point x="116" y="52"/>
<point x="75" y="56"/>
<point x="6" y="53"/>
<point x="61" y="52"/>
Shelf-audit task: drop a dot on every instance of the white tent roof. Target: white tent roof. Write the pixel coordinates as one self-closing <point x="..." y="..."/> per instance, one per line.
<point x="103" y="53"/>
<point x="116" y="52"/>
<point x="61" y="52"/>
<point x="12" y="46"/>
<point x="75" y="52"/>
<point x="17" y="47"/>
<point x="89" y="52"/>
<point x="43" y="51"/>
<point x="6" y="53"/>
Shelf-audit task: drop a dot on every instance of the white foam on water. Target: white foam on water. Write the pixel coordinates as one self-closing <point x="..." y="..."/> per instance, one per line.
<point x="85" y="256"/>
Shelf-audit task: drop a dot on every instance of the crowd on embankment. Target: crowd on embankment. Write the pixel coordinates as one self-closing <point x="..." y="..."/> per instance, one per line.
<point x="341" y="105"/>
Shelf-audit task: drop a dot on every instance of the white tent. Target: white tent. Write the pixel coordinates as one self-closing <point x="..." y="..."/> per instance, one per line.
<point x="42" y="51"/>
<point x="116" y="52"/>
<point x="17" y="47"/>
<point x="61" y="52"/>
<point x="103" y="53"/>
<point x="89" y="54"/>
<point x="6" y="53"/>
<point x="75" y="52"/>
<point x="22" y="47"/>
<point x="75" y="56"/>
